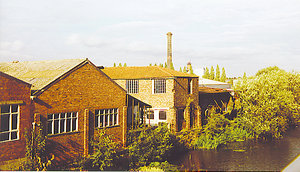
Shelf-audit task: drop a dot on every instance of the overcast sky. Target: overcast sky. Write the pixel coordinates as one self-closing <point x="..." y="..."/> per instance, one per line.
<point x="240" y="35"/>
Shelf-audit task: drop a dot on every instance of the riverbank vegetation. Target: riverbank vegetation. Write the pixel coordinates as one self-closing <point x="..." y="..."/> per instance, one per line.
<point x="265" y="106"/>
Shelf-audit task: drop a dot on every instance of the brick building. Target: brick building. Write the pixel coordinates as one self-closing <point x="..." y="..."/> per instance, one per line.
<point x="173" y="95"/>
<point x="15" y="116"/>
<point x="72" y="99"/>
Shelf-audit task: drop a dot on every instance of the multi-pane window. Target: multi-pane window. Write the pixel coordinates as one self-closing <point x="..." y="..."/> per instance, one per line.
<point x="162" y="115"/>
<point x="62" y="122"/>
<point x="132" y="86"/>
<point x="159" y="86"/>
<point x="9" y="122"/>
<point x="106" y="117"/>
<point x="150" y="114"/>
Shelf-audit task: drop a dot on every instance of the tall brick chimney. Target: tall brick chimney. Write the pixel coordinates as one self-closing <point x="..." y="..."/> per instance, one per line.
<point x="169" y="50"/>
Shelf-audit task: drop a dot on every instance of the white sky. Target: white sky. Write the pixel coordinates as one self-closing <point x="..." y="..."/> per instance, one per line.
<point x="240" y="35"/>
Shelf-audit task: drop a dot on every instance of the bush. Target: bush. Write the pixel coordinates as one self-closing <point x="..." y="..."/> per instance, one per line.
<point x="270" y="102"/>
<point x="151" y="145"/>
<point x="159" y="166"/>
<point x="105" y="153"/>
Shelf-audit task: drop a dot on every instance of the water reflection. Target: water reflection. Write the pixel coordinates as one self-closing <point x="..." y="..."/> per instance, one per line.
<point x="245" y="156"/>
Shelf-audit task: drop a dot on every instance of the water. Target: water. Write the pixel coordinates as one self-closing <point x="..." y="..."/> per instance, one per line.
<point x="245" y="156"/>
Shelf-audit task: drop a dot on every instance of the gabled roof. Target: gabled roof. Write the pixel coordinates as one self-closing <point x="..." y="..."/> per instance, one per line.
<point x="16" y="79"/>
<point x="39" y="73"/>
<point x="145" y="72"/>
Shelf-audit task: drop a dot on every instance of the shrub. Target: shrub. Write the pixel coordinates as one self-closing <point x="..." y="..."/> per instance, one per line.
<point x="105" y="153"/>
<point x="151" y="145"/>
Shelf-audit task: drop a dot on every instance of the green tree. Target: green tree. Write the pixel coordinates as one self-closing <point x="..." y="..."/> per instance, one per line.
<point x="270" y="101"/>
<point x="161" y="65"/>
<point x="125" y="65"/>
<point x="105" y="153"/>
<point x="155" y="64"/>
<point x="192" y="71"/>
<point x="218" y="74"/>
<point x="172" y="66"/>
<point x="120" y="65"/>
<point x="184" y="69"/>
<point x="212" y="73"/>
<point x="115" y="65"/>
<point x="223" y="76"/>
<point x="37" y="158"/>
<point x="180" y="69"/>
<point x="150" y="64"/>
<point x="206" y="73"/>
<point x="151" y="145"/>
<point x="244" y="76"/>
<point x="165" y="65"/>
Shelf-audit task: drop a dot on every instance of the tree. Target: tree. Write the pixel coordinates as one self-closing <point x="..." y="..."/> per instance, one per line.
<point x="206" y="73"/>
<point x="125" y="65"/>
<point x="212" y="73"/>
<point x="115" y="65"/>
<point x="244" y="76"/>
<point x="161" y="65"/>
<point x="180" y="69"/>
<point x="150" y="64"/>
<point x="217" y="74"/>
<point x="165" y="64"/>
<point x="223" y="77"/>
<point x="105" y="153"/>
<point x="270" y="101"/>
<point x="120" y="65"/>
<point x="172" y="66"/>
<point x="192" y="71"/>
<point x="184" y="69"/>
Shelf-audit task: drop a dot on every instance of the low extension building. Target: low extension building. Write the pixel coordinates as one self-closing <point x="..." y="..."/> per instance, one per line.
<point x="173" y="95"/>
<point x="72" y="99"/>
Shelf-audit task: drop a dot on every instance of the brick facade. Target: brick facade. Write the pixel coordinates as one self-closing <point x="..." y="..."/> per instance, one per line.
<point x="83" y="90"/>
<point x="174" y="100"/>
<point x="14" y="91"/>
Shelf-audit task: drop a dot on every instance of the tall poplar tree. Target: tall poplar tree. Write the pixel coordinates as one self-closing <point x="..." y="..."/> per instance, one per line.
<point x="223" y="77"/>
<point x="212" y="73"/>
<point x="206" y="73"/>
<point x="217" y="74"/>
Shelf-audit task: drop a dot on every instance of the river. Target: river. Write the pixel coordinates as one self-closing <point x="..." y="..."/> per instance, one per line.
<point x="245" y="156"/>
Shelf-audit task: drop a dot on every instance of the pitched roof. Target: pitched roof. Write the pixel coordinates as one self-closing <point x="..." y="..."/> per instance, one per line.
<point x="39" y="73"/>
<point x="14" y="78"/>
<point x="145" y="72"/>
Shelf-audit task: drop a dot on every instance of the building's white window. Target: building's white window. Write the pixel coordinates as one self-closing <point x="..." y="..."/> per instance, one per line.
<point x="190" y="86"/>
<point x="132" y="86"/>
<point x="162" y="115"/>
<point x="159" y="86"/>
<point x="62" y="122"/>
<point x="150" y="114"/>
<point x="9" y="122"/>
<point x="106" y="117"/>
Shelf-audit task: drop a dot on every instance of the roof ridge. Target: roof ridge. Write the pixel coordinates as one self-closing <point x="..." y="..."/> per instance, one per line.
<point x="163" y="70"/>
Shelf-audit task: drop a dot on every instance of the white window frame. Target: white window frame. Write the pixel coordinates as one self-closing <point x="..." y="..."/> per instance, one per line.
<point x="163" y="83"/>
<point x="10" y="129"/>
<point x="132" y="86"/>
<point x="190" y="86"/>
<point x="59" y="119"/>
<point x="106" y="116"/>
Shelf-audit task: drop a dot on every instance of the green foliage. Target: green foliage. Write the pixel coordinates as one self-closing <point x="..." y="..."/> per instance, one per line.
<point x="206" y="73"/>
<point x="165" y="65"/>
<point x="159" y="166"/>
<point x="245" y="75"/>
<point x="115" y="65"/>
<point x="223" y="76"/>
<point x="150" y="64"/>
<point x="184" y="69"/>
<point x="217" y="74"/>
<point x="270" y="102"/>
<point x="180" y="69"/>
<point x="191" y="70"/>
<point x="120" y="65"/>
<point x="105" y="153"/>
<point x="151" y="145"/>
<point x="172" y="66"/>
<point x="212" y="73"/>
<point x="37" y="157"/>
<point x="125" y="65"/>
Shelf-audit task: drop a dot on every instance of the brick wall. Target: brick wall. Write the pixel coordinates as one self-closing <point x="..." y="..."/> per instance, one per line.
<point x="14" y="90"/>
<point x="86" y="88"/>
